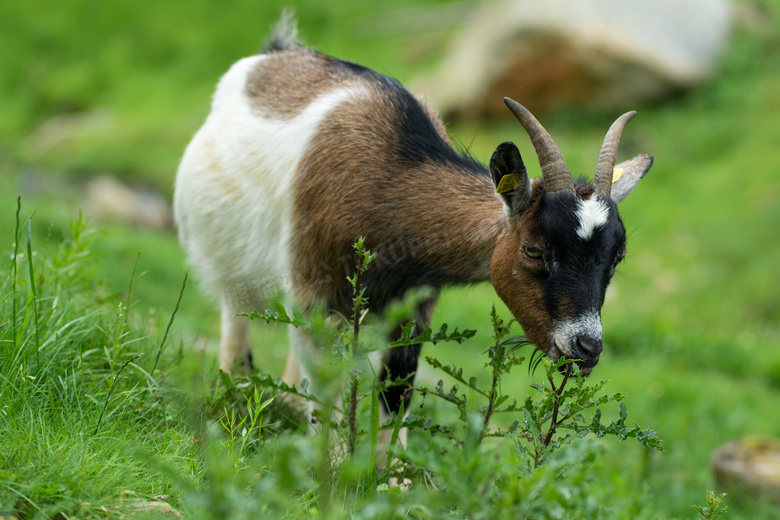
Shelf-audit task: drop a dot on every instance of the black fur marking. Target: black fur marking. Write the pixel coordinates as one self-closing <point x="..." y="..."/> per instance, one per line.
<point x="401" y="363"/>
<point x="389" y="281"/>
<point x="355" y="68"/>
<point x="385" y="282"/>
<point x="419" y="141"/>
<point x="582" y="268"/>
<point x="249" y="361"/>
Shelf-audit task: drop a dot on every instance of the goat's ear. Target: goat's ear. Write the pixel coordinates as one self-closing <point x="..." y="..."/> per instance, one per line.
<point x="627" y="174"/>
<point x="510" y="177"/>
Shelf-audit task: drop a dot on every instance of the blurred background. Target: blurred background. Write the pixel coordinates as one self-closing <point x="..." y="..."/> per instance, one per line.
<point x="99" y="99"/>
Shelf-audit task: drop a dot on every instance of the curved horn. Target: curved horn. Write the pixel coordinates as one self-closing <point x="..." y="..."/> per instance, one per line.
<point x="604" y="170"/>
<point x="555" y="172"/>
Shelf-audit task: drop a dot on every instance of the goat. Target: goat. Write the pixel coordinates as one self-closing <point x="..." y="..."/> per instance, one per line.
<point x="303" y="153"/>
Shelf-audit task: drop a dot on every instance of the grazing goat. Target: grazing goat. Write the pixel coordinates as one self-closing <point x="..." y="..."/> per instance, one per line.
<point x="304" y="153"/>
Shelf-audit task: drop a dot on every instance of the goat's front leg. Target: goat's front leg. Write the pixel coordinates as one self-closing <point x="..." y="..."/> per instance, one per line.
<point x="400" y="363"/>
<point x="305" y="354"/>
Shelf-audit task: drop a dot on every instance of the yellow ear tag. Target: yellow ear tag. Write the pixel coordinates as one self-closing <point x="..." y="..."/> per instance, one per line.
<point x="508" y="183"/>
<point x="617" y="173"/>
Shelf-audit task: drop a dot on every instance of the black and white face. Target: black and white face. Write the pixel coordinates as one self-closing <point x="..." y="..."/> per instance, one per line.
<point x="583" y="240"/>
<point x="553" y="270"/>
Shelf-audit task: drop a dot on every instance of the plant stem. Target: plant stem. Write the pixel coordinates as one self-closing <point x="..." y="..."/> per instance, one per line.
<point x="498" y="361"/>
<point x="353" y="414"/>
<point x="111" y="391"/>
<point x="33" y="295"/>
<point x="167" y="329"/>
<point x="358" y="304"/>
<point x="558" y="392"/>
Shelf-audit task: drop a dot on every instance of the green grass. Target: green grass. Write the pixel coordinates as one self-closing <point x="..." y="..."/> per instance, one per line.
<point x="691" y="323"/>
<point x="74" y="393"/>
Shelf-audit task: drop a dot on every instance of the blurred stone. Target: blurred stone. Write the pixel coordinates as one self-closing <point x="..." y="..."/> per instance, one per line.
<point x="156" y="508"/>
<point x="607" y="54"/>
<point x="64" y="129"/>
<point x="749" y="468"/>
<point x="111" y="199"/>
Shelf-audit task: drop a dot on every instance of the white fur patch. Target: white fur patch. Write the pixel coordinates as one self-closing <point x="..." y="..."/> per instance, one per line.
<point x="592" y="214"/>
<point x="233" y="199"/>
<point x="588" y="325"/>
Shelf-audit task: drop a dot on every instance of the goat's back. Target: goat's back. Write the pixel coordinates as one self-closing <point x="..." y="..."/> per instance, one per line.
<point x="302" y="154"/>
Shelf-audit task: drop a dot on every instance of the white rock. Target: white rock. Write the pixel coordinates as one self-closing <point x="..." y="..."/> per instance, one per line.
<point x="602" y="53"/>
<point x="749" y="467"/>
<point x="108" y="198"/>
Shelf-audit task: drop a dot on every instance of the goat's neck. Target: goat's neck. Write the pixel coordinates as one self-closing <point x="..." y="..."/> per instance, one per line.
<point x="460" y="221"/>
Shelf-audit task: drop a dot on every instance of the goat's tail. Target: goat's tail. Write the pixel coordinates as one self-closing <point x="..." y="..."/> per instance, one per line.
<point x="284" y="33"/>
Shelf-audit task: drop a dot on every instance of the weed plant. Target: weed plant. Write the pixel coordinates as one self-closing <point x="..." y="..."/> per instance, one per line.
<point x="454" y="469"/>
<point x="97" y="420"/>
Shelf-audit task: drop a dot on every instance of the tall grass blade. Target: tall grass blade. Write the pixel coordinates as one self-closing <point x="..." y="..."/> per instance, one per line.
<point x="33" y="295"/>
<point x="170" y="323"/>
<point x="399" y="420"/>
<point x="374" y="425"/>
<point x="111" y="391"/>
<point x="131" y="288"/>
<point x="14" y="269"/>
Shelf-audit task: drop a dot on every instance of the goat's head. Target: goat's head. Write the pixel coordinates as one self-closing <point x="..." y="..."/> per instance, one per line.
<point x="562" y="241"/>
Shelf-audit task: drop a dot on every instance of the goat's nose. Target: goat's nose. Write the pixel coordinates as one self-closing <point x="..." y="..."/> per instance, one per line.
<point x="590" y="348"/>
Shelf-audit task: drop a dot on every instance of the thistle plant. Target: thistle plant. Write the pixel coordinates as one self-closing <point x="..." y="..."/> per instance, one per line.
<point x="554" y="416"/>
<point x="713" y="509"/>
<point x="565" y="407"/>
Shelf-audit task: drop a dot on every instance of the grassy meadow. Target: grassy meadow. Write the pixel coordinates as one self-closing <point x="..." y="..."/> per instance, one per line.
<point x="106" y="402"/>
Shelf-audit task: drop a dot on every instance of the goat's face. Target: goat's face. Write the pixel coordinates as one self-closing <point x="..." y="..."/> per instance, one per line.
<point x="561" y="245"/>
<point x="552" y="267"/>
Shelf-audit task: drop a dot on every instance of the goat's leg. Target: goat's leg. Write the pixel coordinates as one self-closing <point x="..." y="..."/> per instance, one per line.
<point x="303" y="351"/>
<point x="235" y="347"/>
<point x="306" y="353"/>
<point x="400" y="363"/>
<point x="292" y="371"/>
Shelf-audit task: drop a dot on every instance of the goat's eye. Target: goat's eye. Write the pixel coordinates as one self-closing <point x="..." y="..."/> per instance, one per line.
<point x="532" y="252"/>
<point x="621" y="255"/>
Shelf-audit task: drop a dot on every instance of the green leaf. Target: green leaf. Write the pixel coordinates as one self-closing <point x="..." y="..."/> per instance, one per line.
<point x="429" y="336"/>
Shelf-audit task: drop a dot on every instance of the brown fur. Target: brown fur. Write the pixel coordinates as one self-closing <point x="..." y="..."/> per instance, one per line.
<point x="446" y="219"/>
<point x="349" y="184"/>
<point x="510" y="270"/>
<point x="443" y="218"/>
<point x="284" y="83"/>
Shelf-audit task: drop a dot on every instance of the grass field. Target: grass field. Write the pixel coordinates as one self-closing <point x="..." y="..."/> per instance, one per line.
<point x="98" y="414"/>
